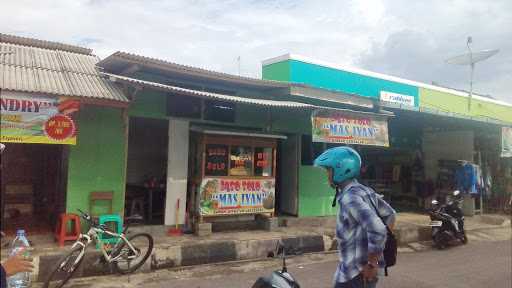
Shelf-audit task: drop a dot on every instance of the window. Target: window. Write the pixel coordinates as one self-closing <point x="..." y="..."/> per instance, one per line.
<point x="216" y="163"/>
<point x="310" y="150"/>
<point x="241" y="161"/>
<point x="264" y="161"/>
<point x="219" y="111"/>
<point x="184" y="106"/>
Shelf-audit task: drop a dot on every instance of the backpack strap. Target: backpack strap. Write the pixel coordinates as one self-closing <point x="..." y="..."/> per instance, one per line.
<point x="381" y="219"/>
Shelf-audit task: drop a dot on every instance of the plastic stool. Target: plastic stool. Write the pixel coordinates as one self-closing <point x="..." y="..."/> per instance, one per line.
<point x="110" y="219"/>
<point x="61" y="233"/>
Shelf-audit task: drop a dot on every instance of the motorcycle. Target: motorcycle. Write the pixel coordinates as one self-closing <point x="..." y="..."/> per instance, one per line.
<point x="279" y="278"/>
<point x="447" y="222"/>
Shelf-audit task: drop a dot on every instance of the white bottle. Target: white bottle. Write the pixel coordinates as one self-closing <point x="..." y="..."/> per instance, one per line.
<point x="22" y="279"/>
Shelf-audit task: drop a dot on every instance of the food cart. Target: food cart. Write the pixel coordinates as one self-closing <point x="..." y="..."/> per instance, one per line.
<point x="237" y="176"/>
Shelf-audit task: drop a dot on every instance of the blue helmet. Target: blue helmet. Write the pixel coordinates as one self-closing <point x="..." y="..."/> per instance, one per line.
<point x="344" y="161"/>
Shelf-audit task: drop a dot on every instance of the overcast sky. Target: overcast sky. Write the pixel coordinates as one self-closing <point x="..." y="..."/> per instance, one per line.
<point x="404" y="38"/>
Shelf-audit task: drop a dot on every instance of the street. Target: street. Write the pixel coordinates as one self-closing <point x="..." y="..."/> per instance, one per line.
<point x="485" y="262"/>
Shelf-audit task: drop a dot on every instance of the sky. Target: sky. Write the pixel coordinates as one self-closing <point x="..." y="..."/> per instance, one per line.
<point x="404" y="38"/>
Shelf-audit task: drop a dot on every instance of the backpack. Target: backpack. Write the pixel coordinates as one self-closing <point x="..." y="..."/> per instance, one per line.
<point x="390" y="248"/>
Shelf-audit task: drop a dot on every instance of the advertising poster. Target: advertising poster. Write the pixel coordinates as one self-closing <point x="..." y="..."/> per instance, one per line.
<point x="225" y="196"/>
<point x="349" y="128"/>
<point x="38" y="119"/>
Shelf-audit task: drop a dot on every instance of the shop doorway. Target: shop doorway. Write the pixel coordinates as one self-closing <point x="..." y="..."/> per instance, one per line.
<point x="33" y="187"/>
<point x="147" y="170"/>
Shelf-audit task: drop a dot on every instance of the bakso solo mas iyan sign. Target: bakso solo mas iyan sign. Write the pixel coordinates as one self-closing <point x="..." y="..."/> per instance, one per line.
<point x="231" y="196"/>
<point x="350" y="128"/>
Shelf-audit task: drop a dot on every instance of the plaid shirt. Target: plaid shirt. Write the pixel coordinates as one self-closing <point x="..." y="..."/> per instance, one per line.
<point x="359" y="230"/>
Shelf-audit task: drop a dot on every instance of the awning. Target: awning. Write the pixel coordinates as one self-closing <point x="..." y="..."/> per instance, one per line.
<point x="227" y="131"/>
<point x="230" y="98"/>
<point x="204" y="94"/>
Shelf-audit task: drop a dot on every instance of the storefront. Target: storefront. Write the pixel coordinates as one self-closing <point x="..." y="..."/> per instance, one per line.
<point x="235" y="174"/>
<point x="58" y="117"/>
<point x="36" y="131"/>
<point x="432" y="133"/>
<point x="364" y="131"/>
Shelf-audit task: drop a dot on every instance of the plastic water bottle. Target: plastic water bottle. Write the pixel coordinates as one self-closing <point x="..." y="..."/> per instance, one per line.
<point x="22" y="279"/>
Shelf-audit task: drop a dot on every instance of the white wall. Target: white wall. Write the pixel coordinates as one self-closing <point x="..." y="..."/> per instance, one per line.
<point x="177" y="171"/>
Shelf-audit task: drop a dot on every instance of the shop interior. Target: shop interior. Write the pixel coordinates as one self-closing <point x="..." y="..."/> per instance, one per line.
<point x="146" y="170"/>
<point x="33" y="187"/>
<point x="423" y="158"/>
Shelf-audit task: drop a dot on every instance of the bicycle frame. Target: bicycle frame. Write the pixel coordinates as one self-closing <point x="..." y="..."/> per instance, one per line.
<point x="92" y="235"/>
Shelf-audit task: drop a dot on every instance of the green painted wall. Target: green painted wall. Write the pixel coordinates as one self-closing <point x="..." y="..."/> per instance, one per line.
<point x="315" y="194"/>
<point x="149" y="104"/>
<point x="458" y="104"/>
<point x="97" y="162"/>
<point x="278" y="71"/>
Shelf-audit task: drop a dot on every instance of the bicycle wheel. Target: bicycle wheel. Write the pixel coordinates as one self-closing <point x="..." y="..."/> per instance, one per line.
<point x="130" y="260"/>
<point x="65" y="268"/>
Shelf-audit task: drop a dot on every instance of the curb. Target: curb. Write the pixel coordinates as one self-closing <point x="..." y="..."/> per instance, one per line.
<point x="164" y="256"/>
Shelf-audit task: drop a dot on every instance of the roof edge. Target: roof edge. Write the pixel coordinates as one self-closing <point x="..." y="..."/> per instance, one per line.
<point x="32" y="42"/>
<point x="364" y="72"/>
<point x="164" y="64"/>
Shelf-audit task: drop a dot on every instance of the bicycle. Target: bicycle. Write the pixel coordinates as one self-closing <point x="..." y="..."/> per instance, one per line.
<point x="120" y="257"/>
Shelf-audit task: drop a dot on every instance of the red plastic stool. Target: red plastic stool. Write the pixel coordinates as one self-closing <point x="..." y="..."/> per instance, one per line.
<point x="61" y="233"/>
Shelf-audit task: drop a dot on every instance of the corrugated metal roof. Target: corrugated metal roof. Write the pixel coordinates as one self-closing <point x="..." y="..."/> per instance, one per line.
<point x="113" y="60"/>
<point x="230" y="98"/>
<point x="31" y="42"/>
<point x="203" y="94"/>
<point x="57" y="72"/>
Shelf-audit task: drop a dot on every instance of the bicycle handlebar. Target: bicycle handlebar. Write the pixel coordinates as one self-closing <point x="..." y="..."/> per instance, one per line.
<point x="91" y="221"/>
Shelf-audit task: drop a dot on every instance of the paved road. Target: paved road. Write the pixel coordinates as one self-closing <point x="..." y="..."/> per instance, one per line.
<point x="482" y="263"/>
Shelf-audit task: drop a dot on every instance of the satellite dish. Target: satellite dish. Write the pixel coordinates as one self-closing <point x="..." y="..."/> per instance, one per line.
<point x="472" y="58"/>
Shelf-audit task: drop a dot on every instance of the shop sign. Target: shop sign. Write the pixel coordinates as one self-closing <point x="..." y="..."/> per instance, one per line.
<point x="349" y="128"/>
<point x="46" y="120"/>
<point x="230" y="196"/>
<point x="216" y="160"/>
<point x="506" y="142"/>
<point x="397" y="98"/>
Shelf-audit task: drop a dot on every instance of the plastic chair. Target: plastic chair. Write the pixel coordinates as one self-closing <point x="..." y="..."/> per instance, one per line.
<point x="61" y="233"/>
<point x="100" y="196"/>
<point x="107" y="220"/>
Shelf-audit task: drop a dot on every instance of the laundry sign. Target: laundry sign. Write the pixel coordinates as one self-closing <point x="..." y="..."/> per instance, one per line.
<point x="397" y="98"/>
<point x="350" y="128"/>
<point x="48" y="120"/>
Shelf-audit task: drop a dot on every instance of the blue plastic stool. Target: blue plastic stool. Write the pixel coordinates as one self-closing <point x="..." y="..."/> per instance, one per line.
<point x="110" y="220"/>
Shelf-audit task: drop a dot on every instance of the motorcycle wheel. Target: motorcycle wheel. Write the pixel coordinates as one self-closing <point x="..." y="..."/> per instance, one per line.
<point x="439" y="241"/>
<point x="464" y="239"/>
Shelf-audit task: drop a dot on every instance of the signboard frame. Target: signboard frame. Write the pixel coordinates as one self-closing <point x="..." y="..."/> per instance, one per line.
<point x="350" y="127"/>
<point x="40" y="119"/>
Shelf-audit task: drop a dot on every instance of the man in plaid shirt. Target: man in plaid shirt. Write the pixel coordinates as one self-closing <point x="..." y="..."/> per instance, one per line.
<point x="360" y="232"/>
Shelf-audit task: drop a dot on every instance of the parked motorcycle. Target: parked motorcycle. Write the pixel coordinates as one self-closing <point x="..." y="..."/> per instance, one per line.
<point x="447" y="222"/>
<point x="279" y="278"/>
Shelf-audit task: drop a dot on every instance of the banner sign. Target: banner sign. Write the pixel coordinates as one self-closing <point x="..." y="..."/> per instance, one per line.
<point x="230" y="196"/>
<point x="506" y="142"/>
<point x="397" y="98"/>
<point x="26" y="119"/>
<point x="349" y="128"/>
